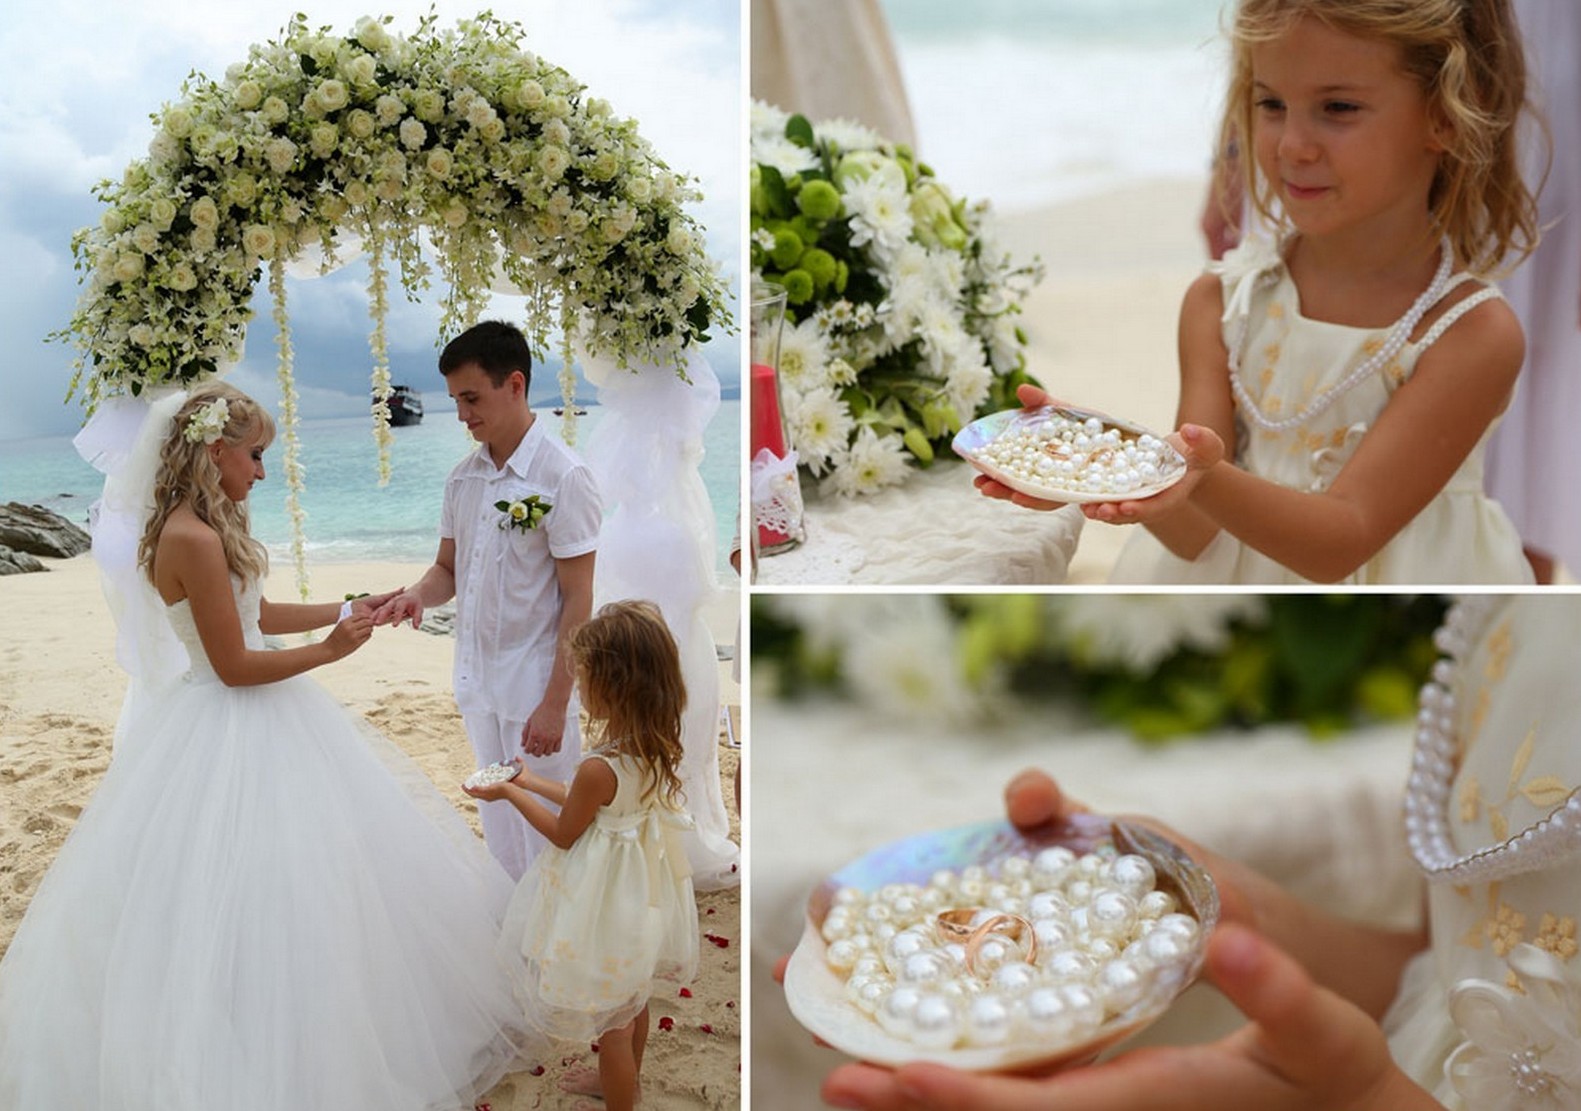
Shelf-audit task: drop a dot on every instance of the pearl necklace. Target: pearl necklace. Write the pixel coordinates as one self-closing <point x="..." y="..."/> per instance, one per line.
<point x="1554" y="839"/>
<point x="1366" y="369"/>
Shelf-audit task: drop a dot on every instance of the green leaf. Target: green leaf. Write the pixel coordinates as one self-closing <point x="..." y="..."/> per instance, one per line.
<point x="799" y="131"/>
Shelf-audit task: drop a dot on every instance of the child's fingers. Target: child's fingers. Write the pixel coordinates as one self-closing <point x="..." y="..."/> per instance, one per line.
<point x="1311" y="1035"/>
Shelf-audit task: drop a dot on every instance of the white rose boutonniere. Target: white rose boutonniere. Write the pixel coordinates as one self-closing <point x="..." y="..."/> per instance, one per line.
<point x="525" y="514"/>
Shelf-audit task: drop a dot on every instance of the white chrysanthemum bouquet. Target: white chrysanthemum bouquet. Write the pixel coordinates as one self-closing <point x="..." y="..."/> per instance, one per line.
<point x="901" y="323"/>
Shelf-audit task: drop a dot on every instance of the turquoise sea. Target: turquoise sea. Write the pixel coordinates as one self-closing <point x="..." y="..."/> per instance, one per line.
<point x="350" y="517"/>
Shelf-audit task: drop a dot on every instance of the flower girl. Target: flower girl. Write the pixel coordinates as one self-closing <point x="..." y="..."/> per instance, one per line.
<point x="607" y="912"/>
<point x="265" y="905"/>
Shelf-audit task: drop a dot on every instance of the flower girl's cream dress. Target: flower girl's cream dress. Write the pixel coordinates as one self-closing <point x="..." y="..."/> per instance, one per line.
<point x="1286" y="361"/>
<point x="266" y="906"/>
<point x="1490" y="1017"/>
<point x="592" y="930"/>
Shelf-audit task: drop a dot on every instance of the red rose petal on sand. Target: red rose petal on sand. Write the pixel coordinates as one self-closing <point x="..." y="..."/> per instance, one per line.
<point x="686" y="993"/>
<point x="722" y="942"/>
<point x="731" y="1003"/>
<point x="705" y="1028"/>
<point x="710" y="910"/>
<point x="537" y="1070"/>
<point x="666" y="1023"/>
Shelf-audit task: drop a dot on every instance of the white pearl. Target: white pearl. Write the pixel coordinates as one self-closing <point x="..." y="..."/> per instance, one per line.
<point x="1120" y="984"/>
<point x="904" y="945"/>
<point x="935" y="1021"/>
<point x="873" y="992"/>
<point x="1100" y="949"/>
<point x="1112" y="914"/>
<point x="1045" y="1014"/>
<point x="869" y="965"/>
<point x="1014" y="977"/>
<point x="1162" y="947"/>
<point x="989" y="1020"/>
<point x="1155" y="904"/>
<point x="995" y="951"/>
<point x="1068" y="965"/>
<point x="894" y="1014"/>
<point x="1083" y="1005"/>
<point x="842" y="955"/>
<point x="1051" y="933"/>
<point x="848" y="896"/>
<point x="1182" y="926"/>
<point x="1048" y="904"/>
<point x="925" y="967"/>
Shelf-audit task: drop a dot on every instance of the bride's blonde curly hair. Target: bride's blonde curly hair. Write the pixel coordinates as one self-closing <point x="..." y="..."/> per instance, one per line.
<point x="187" y="475"/>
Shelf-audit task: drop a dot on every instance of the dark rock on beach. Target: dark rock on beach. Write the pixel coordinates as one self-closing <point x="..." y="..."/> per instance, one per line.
<point x="30" y="530"/>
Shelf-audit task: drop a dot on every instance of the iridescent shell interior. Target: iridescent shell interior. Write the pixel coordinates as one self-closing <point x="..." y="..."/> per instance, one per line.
<point x="970" y="441"/>
<point x="816" y="994"/>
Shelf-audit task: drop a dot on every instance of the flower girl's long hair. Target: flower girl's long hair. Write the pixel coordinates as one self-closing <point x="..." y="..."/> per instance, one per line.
<point x="187" y="474"/>
<point x="630" y="672"/>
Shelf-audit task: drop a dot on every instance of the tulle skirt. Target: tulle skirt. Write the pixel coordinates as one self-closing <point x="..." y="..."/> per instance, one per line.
<point x="265" y="906"/>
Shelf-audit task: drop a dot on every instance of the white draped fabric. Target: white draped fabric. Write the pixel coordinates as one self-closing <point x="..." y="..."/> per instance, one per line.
<point x="658" y="543"/>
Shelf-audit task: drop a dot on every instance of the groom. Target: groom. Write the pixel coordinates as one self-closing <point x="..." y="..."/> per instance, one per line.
<point x="517" y="536"/>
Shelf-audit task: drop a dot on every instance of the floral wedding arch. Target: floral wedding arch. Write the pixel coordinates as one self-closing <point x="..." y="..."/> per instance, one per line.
<point x="452" y="144"/>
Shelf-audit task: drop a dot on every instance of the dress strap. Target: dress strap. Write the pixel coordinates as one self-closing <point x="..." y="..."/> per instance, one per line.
<point x="1455" y="312"/>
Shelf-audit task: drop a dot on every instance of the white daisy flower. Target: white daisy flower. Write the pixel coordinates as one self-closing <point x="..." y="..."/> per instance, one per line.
<point x="848" y="135"/>
<point x="820" y="425"/>
<point x="1137" y="631"/>
<point x="804" y="353"/>
<point x="870" y="464"/>
<point x="785" y="156"/>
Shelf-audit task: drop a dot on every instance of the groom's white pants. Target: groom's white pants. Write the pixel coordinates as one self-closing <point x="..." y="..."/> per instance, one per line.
<point x="509" y="835"/>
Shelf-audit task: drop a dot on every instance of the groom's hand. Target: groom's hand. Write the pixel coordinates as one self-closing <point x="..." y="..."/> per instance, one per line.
<point x="544" y="731"/>
<point x="406" y="605"/>
<point x="371" y="604"/>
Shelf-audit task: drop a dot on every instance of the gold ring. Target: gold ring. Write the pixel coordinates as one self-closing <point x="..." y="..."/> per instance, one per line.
<point x="956" y="925"/>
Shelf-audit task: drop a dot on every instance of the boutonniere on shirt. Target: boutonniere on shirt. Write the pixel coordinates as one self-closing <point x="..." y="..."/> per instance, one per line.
<point x="524" y="514"/>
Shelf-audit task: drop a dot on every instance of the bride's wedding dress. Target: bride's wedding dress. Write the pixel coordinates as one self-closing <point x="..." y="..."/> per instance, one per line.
<point x="265" y="905"/>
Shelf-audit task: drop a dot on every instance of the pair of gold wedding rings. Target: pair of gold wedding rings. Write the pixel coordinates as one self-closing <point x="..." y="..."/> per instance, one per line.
<point x="956" y="926"/>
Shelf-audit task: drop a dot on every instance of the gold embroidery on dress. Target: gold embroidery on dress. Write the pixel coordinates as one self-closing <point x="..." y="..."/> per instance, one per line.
<point x="1470" y="800"/>
<point x="1500" y="644"/>
<point x="1504" y="929"/>
<point x="1372" y="346"/>
<point x="1276" y="311"/>
<point x="1557" y="935"/>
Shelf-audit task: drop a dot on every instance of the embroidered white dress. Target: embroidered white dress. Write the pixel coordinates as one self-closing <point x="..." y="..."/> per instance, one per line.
<point x="1489" y="1018"/>
<point x="592" y="930"/>
<point x="1286" y="360"/>
<point x="265" y="906"/>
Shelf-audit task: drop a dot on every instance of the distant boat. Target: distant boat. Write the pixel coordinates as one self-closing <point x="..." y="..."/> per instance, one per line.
<point x="406" y="406"/>
<point x="559" y="411"/>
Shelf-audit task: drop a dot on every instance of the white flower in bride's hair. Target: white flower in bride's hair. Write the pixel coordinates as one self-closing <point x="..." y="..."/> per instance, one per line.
<point x="207" y="422"/>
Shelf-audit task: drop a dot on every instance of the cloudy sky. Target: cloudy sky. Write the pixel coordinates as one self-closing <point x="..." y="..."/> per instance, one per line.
<point x="79" y="78"/>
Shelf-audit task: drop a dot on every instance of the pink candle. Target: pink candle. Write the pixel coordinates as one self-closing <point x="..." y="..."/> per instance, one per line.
<point x="768" y="427"/>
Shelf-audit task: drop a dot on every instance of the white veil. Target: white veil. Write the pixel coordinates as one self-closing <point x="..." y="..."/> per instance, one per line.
<point x="658" y="543"/>
<point x="122" y="440"/>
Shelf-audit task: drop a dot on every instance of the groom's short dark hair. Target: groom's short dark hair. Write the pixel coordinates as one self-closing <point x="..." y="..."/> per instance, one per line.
<point x="495" y="346"/>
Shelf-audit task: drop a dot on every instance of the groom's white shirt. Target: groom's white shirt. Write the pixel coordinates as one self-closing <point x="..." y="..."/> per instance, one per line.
<point x="507" y="595"/>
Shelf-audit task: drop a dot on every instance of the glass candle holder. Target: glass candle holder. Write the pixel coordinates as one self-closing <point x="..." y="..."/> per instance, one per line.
<point x="776" y="490"/>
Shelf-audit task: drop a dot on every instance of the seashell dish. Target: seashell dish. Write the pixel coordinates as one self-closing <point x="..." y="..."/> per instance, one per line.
<point x="492" y="774"/>
<point x="1065" y="454"/>
<point x="1060" y="975"/>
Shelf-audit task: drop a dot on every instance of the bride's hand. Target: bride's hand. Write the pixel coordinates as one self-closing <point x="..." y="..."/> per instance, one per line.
<point x="349" y="635"/>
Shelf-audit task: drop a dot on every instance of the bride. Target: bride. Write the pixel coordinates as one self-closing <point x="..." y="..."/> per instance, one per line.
<point x="265" y="905"/>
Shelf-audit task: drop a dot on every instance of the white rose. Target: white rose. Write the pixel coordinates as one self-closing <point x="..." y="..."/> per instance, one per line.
<point x="280" y="153"/>
<point x="439" y="162"/>
<point x="556" y="132"/>
<point x="241" y="190"/>
<point x="162" y="213"/>
<point x="479" y="112"/>
<point x="332" y="95"/>
<point x="529" y="94"/>
<point x="605" y="166"/>
<point x="598" y="108"/>
<point x="291" y="211"/>
<point x="205" y="214"/>
<point x="613" y="231"/>
<point x="388" y="189"/>
<point x="493" y="131"/>
<point x="356" y="193"/>
<point x="639" y="189"/>
<point x="323" y="139"/>
<point x="359" y="123"/>
<point x="455" y="214"/>
<point x="248" y="95"/>
<point x="553" y="161"/>
<point x="163" y="149"/>
<point x="389" y="109"/>
<point x="142" y="335"/>
<point x="558" y="107"/>
<point x="392" y="163"/>
<point x="560" y="203"/>
<point x="679" y="241"/>
<point x="178" y="121"/>
<point x="182" y="278"/>
<point x="413" y="133"/>
<point x="371" y="34"/>
<point x="112" y="221"/>
<point x="258" y="240"/>
<point x="549" y="225"/>
<point x="202" y="240"/>
<point x="275" y="110"/>
<point x="334" y="208"/>
<point x="128" y="267"/>
<point x="429" y="105"/>
<point x="145" y="238"/>
<point x="576" y="223"/>
<point x="362" y="70"/>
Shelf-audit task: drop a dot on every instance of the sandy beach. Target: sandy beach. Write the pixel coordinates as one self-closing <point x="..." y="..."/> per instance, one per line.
<point x="1101" y="327"/>
<point x="60" y="693"/>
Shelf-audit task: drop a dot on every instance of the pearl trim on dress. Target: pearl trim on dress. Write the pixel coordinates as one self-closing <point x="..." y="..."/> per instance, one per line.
<point x="1554" y="839"/>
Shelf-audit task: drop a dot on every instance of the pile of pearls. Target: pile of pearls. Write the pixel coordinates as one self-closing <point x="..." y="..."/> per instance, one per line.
<point x="1106" y="939"/>
<point x="1080" y="456"/>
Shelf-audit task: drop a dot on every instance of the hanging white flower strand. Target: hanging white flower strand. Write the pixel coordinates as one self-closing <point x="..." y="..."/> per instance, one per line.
<point x="378" y="303"/>
<point x="292" y="461"/>
<point x="567" y="377"/>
